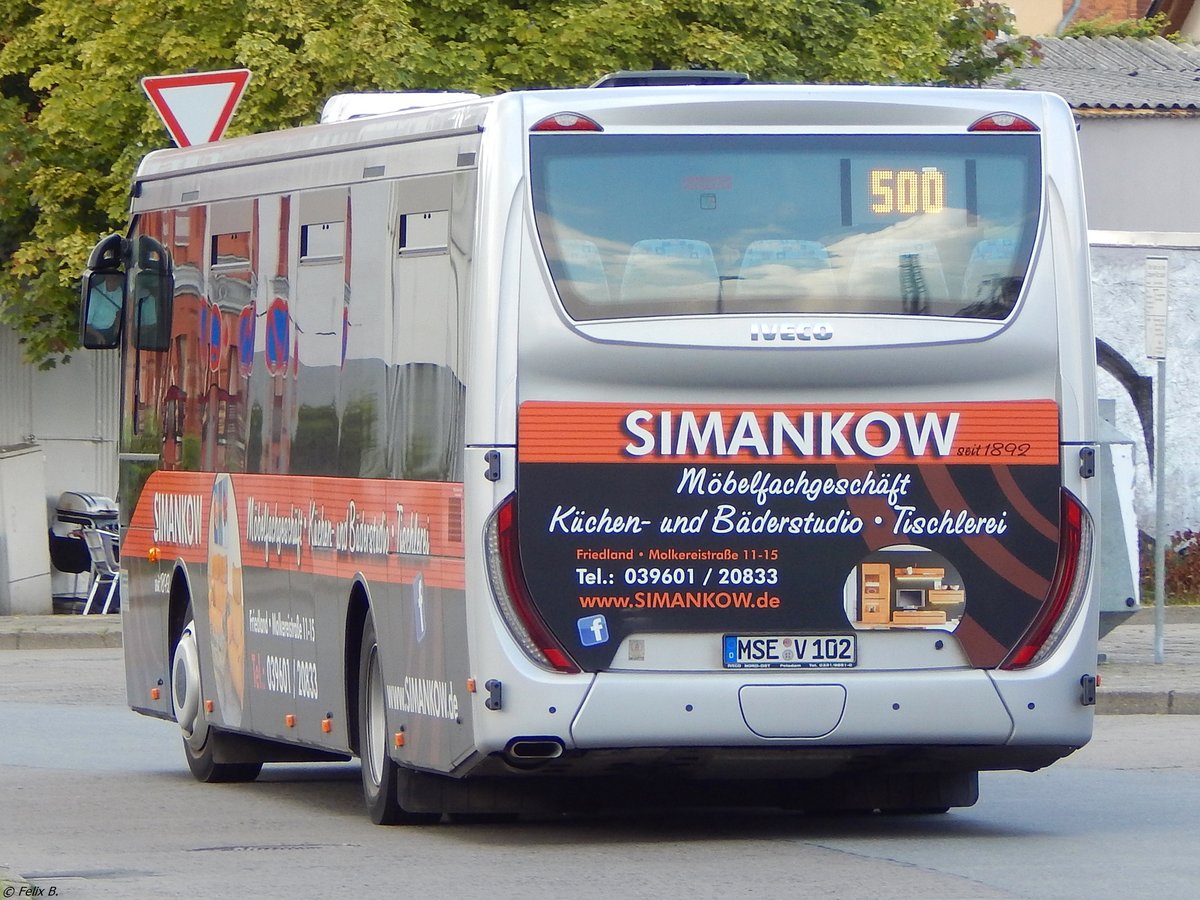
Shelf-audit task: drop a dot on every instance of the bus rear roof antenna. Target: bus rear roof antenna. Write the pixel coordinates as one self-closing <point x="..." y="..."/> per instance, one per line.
<point x="670" y="77"/>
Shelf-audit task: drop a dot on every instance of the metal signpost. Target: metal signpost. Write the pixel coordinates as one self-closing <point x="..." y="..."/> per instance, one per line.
<point x="1156" y="348"/>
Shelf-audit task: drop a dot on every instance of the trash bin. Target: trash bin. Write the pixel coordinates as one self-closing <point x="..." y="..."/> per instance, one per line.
<point x="74" y="511"/>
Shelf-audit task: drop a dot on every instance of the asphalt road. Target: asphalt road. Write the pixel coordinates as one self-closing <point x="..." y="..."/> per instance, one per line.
<point x="96" y="801"/>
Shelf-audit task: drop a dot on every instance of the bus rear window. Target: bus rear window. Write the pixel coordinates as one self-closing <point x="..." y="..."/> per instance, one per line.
<point x="668" y="225"/>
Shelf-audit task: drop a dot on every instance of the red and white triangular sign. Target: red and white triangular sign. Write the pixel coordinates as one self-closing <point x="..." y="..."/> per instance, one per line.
<point x="196" y="107"/>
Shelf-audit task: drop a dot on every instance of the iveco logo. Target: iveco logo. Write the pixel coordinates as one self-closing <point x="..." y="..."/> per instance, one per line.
<point x="760" y="331"/>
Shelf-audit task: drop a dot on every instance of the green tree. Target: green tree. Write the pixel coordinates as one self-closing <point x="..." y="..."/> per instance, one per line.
<point x="979" y="37"/>
<point x="1106" y="26"/>
<point x="74" y="121"/>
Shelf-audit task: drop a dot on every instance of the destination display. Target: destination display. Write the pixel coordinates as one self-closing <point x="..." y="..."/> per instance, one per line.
<point x="788" y="523"/>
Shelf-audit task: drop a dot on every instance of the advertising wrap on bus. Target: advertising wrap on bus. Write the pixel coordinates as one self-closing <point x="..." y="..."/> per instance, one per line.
<point x="789" y="521"/>
<point x="267" y="647"/>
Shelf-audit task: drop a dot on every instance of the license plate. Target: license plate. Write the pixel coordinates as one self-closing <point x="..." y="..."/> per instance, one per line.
<point x="803" y="651"/>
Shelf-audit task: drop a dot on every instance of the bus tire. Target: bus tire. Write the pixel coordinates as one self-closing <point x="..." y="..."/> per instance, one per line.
<point x="201" y="744"/>
<point x="382" y="778"/>
<point x="206" y="769"/>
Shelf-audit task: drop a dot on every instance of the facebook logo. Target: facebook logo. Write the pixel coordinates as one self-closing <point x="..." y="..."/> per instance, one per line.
<point x="593" y="630"/>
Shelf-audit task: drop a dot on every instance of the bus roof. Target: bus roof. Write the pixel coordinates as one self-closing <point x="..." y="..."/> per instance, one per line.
<point x="872" y="107"/>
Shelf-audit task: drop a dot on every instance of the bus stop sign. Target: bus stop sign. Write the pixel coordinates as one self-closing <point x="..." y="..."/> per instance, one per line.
<point x="196" y="107"/>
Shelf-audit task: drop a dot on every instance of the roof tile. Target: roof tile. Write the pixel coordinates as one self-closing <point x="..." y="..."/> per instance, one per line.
<point x="1114" y="73"/>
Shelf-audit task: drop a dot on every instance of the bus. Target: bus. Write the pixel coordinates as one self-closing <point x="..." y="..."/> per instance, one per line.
<point x="649" y="443"/>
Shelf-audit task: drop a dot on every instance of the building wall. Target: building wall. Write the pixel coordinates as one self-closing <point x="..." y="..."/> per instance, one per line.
<point x="1037" y="17"/>
<point x="1042" y="17"/>
<point x="1143" y="199"/>
<point x="1118" y="269"/>
<point x="69" y="412"/>
<point x="1190" y="27"/>
<point x="1139" y="172"/>
<point x="1116" y="10"/>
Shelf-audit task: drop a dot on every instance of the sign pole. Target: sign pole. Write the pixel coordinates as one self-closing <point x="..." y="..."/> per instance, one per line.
<point x="1156" y="348"/>
<point x="1160" y="516"/>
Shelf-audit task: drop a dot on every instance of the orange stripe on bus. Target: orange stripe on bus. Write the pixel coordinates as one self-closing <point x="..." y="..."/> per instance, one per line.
<point x="421" y="512"/>
<point x="988" y="433"/>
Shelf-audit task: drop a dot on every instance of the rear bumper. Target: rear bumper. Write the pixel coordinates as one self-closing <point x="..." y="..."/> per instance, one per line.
<point x="722" y="727"/>
<point x="932" y="708"/>
<point x="721" y="709"/>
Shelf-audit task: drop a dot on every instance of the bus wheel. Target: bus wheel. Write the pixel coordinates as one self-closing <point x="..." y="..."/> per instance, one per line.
<point x="201" y="743"/>
<point x="381" y="777"/>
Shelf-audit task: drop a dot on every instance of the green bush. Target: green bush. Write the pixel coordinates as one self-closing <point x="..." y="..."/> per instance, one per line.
<point x="1182" y="563"/>
<point x="1106" y="26"/>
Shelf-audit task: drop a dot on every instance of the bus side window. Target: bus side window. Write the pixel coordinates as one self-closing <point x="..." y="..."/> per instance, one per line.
<point x="153" y="295"/>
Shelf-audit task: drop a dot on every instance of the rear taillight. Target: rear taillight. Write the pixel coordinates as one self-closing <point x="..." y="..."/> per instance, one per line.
<point x="566" y="121"/>
<point x="1067" y="590"/>
<point x="1002" y="121"/>
<point x="512" y="593"/>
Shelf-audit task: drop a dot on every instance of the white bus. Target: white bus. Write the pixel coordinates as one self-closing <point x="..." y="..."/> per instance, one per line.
<point x="562" y="449"/>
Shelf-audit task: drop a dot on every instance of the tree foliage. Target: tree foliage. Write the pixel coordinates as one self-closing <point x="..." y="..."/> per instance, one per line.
<point x="1107" y="26"/>
<point x="981" y="42"/>
<point x="74" y="121"/>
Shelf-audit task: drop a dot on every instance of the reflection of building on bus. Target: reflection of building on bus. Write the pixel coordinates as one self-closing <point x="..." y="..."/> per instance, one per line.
<point x="533" y="451"/>
<point x="227" y="407"/>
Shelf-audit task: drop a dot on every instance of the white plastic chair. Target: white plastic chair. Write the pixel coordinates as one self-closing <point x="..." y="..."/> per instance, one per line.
<point x="106" y="574"/>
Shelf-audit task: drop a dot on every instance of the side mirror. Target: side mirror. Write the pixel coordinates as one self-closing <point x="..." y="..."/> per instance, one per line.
<point x="105" y="290"/>
<point x="154" y="296"/>
<point x="102" y="295"/>
<point x="103" y="305"/>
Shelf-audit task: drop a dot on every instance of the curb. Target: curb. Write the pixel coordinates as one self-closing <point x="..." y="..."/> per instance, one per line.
<point x="1148" y="703"/>
<point x="61" y="636"/>
<point x="1174" y="614"/>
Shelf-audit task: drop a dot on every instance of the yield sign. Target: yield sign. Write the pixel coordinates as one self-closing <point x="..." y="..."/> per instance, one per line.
<point x="196" y="107"/>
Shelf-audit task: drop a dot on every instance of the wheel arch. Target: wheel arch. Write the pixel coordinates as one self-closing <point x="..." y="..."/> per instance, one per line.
<point x="357" y="608"/>
<point x="178" y="601"/>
